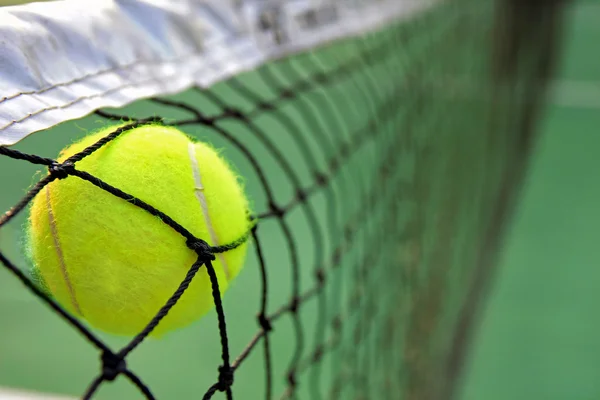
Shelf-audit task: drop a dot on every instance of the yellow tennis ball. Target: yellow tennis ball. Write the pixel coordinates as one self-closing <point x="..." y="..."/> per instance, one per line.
<point x="113" y="263"/>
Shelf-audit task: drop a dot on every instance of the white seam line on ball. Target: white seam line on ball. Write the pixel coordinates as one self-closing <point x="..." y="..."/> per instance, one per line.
<point x="199" y="191"/>
<point x="59" y="252"/>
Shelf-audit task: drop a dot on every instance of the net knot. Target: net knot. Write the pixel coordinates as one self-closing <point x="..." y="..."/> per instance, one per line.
<point x="348" y="233"/>
<point x="225" y="378"/>
<point x="61" y="170"/>
<point x="201" y="248"/>
<point x="233" y="113"/>
<point x="321" y="78"/>
<point x="301" y="195"/>
<point x="320" y="179"/>
<point x="320" y="276"/>
<point x="264" y="323"/>
<point x="334" y="164"/>
<point x="294" y="305"/>
<point x="291" y="378"/>
<point x="208" y="121"/>
<point x="264" y="106"/>
<point x="345" y="150"/>
<point x="337" y="323"/>
<point x="303" y="86"/>
<point x="287" y="94"/>
<point x="318" y="353"/>
<point x="112" y="365"/>
<point x="276" y="210"/>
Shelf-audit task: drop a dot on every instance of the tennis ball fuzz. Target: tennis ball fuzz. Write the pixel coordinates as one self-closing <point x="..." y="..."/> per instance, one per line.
<point x="113" y="263"/>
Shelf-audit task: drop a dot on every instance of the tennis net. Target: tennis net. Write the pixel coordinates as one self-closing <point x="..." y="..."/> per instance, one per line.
<point x="382" y="144"/>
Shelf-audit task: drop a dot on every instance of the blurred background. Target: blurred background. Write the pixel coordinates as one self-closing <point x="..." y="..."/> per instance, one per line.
<point x="539" y="337"/>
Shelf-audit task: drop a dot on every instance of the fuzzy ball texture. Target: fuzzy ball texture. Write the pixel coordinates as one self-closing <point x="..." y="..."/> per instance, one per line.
<point x="116" y="265"/>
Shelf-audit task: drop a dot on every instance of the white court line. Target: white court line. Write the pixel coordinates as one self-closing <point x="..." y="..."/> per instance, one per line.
<point x="575" y="94"/>
<point x="14" y="394"/>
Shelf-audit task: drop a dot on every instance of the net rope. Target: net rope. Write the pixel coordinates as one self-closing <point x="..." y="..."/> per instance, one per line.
<point x="379" y="309"/>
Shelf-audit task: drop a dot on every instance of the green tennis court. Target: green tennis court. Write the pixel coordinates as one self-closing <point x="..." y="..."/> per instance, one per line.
<point x="539" y="335"/>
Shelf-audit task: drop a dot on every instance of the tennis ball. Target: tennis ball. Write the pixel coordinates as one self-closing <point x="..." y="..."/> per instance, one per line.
<point x="113" y="263"/>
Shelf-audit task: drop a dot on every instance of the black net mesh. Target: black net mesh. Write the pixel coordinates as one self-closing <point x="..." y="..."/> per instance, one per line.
<point x="381" y="169"/>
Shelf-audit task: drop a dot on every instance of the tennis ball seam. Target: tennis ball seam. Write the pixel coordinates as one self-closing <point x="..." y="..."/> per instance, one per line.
<point x="59" y="253"/>
<point x="199" y="193"/>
